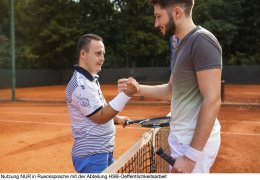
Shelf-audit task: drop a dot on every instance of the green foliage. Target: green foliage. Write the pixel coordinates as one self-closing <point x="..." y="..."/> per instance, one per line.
<point x="4" y="52"/>
<point x="46" y="36"/>
<point x="137" y="42"/>
<point x="47" y="31"/>
<point x="4" y="38"/>
<point x="236" y="25"/>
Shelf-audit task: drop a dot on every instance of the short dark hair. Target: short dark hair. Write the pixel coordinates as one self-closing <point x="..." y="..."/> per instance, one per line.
<point x="188" y="4"/>
<point x="84" y="42"/>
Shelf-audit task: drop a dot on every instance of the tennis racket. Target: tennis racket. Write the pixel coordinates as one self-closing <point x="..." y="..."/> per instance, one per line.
<point x="165" y="156"/>
<point x="152" y="122"/>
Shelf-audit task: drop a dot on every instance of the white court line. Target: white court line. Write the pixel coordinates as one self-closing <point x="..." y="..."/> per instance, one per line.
<point x="244" y="134"/>
<point x="30" y="113"/>
<point x="58" y="124"/>
<point x="62" y="114"/>
<point x="118" y="126"/>
<point x="249" y="122"/>
<point x="132" y="127"/>
<point x="35" y="122"/>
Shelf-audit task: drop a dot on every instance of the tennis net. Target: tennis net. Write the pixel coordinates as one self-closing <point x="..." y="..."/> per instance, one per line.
<point x="141" y="157"/>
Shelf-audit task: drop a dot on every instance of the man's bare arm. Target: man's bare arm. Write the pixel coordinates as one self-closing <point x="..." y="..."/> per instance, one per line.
<point x="209" y="84"/>
<point x="163" y="91"/>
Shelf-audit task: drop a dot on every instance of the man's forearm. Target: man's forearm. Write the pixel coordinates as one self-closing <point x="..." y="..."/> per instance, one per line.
<point x="157" y="92"/>
<point x="207" y="116"/>
<point x="104" y="115"/>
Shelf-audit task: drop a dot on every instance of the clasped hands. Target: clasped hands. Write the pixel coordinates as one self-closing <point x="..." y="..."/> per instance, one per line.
<point x="129" y="86"/>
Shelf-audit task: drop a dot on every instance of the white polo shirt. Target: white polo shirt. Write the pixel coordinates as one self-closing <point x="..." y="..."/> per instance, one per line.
<point x="84" y="98"/>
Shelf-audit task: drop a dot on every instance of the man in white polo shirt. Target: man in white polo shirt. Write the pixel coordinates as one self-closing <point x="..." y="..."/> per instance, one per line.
<point x="92" y="119"/>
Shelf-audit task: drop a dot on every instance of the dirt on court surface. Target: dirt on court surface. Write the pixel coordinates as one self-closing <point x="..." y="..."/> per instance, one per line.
<point x="35" y="132"/>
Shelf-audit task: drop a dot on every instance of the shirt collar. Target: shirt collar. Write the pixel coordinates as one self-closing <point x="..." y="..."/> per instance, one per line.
<point x="85" y="73"/>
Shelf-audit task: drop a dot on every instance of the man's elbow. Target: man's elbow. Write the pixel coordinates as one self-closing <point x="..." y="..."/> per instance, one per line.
<point x="213" y="101"/>
<point x="218" y="103"/>
<point x="98" y="119"/>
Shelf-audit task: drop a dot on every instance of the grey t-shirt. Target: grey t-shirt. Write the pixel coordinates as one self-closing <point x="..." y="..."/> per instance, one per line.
<point x="199" y="50"/>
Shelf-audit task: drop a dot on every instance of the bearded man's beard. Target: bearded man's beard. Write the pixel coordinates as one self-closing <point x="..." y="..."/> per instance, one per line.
<point x="170" y="28"/>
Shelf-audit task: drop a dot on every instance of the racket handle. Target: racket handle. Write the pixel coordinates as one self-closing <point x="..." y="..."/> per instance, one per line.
<point x="165" y="156"/>
<point x="128" y="122"/>
<point x="132" y="122"/>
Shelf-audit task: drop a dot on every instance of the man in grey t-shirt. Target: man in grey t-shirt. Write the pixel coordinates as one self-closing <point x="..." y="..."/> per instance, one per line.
<point x="193" y="87"/>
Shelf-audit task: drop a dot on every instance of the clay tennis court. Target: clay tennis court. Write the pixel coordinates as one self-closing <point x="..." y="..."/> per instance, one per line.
<point x="35" y="132"/>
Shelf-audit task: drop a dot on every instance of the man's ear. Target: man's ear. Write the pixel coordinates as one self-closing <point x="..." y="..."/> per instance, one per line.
<point x="82" y="54"/>
<point x="177" y="12"/>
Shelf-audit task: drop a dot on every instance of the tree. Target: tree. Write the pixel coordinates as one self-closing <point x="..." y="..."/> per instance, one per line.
<point x="236" y="25"/>
<point x="137" y="41"/>
<point x="46" y="35"/>
<point x="246" y="44"/>
<point x="4" y="35"/>
<point x="47" y="31"/>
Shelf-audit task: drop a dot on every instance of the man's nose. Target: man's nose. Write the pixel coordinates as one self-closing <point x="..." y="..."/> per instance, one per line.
<point x="156" y="23"/>
<point x="103" y="57"/>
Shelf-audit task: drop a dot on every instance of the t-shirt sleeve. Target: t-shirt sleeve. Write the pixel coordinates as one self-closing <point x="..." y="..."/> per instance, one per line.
<point x="87" y="100"/>
<point x="206" y="53"/>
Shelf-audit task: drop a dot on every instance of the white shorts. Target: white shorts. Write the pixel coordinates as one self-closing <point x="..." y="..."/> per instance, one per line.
<point x="207" y="158"/>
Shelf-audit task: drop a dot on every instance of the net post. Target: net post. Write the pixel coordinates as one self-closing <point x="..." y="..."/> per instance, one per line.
<point x="153" y="165"/>
<point x="12" y="49"/>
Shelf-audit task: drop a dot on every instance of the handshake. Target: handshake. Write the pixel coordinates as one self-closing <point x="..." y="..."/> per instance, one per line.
<point x="129" y="86"/>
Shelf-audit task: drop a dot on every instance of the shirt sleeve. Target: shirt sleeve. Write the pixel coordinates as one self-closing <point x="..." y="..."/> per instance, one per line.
<point x="206" y="53"/>
<point x="87" y="100"/>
